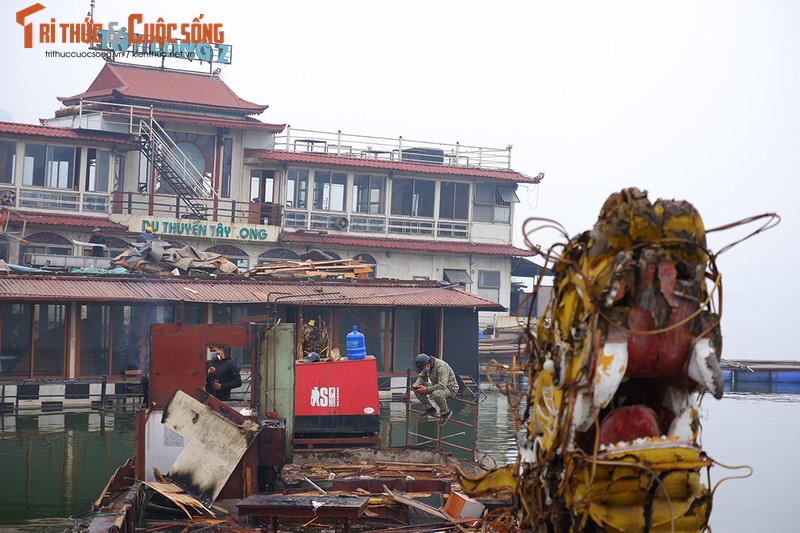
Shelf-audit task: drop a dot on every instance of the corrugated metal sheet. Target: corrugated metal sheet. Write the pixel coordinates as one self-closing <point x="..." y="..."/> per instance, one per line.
<point x="18" y="288"/>
<point x="410" y="245"/>
<point x="417" y="168"/>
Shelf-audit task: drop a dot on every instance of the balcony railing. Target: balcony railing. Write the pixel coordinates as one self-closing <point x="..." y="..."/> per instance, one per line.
<point x="393" y="149"/>
<point x="134" y="203"/>
<point x="385" y="225"/>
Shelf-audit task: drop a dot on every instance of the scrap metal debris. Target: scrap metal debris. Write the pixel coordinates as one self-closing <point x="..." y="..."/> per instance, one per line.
<point x="161" y="257"/>
<point x="618" y="365"/>
<point x="215" y="445"/>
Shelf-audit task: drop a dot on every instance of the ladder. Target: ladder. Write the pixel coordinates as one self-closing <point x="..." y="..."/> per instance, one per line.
<point x="174" y="167"/>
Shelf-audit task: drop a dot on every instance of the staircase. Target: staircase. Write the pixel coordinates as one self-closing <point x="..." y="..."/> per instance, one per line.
<point x="469" y="388"/>
<point x="174" y="167"/>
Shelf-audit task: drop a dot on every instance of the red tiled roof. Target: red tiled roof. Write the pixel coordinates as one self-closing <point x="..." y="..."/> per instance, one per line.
<point x="135" y="83"/>
<point x="275" y="156"/>
<point x="381" y="243"/>
<point x="148" y="289"/>
<point x="66" y="221"/>
<point x="63" y="134"/>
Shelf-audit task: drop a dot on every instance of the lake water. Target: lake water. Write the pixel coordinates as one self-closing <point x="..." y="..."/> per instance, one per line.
<point x="55" y="465"/>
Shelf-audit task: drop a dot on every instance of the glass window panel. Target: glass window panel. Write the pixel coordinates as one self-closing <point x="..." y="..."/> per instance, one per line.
<point x="297" y="188"/>
<point x="424" y="197"/>
<point x="489" y="278"/>
<point x="329" y="190"/>
<point x="370" y="322"/>
<point x="126" y="336"/>
<point x="461" y="209"/>
<point x="194" y="314"/>
<point x="483" y="213"/>
<point x="49" y="339"/>
<point x="97" y="167"/>
<point x="60" y="161"/>
<point x="95" y="334"/>
<point x="15" y="340"/>
<point x="8" y="158"/>
<point x="368" y="194"/>
<point x="484" y="194"/>
<point x="34" y="164"/>
<point x="406" y="339"/>
<point x="227" y="167"/>
<point x="447" y="193"/>
<point x="502" y="214"/>
<point x="402" y="196"/>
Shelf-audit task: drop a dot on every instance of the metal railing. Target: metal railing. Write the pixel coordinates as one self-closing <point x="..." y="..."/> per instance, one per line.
<point x="393" y="149"/>
<point x="439" y="440"/>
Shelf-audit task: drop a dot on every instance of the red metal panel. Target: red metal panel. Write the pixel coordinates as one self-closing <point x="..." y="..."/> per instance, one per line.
<point x="336" y="388"/>
<point x="178" y="357"/>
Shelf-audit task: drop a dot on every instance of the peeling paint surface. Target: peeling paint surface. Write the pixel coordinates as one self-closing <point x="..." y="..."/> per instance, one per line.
<point x="214" y="446"/>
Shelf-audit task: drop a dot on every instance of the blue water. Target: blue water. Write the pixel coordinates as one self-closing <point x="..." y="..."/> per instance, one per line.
<point x="55" y="465"/>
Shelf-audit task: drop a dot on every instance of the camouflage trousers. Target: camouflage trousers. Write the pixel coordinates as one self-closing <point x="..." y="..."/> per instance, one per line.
<point x="439" y="397"/>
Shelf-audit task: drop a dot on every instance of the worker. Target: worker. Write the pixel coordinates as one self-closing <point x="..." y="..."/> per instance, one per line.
<point x="97" y="238"/>
<point x="437" y="381"/>
<point x="148" y="233"/>
<point x="222" y="374"/>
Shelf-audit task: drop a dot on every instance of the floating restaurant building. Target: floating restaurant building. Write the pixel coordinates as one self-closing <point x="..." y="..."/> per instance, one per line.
<point x="181" y="153"/>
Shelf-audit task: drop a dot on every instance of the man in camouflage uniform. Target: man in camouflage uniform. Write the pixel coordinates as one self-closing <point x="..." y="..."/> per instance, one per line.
<point x="437" y="381"/>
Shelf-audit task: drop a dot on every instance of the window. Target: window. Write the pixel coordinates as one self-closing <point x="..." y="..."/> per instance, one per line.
<point x="372" y="323"/>
<point x="406" y="338"/>
<point x="49" y="166"/>
<point x="227" y="166"/>
<point x="489" y="285"/>
<point x="276" y="255"/>
<point x="493" y="203"/>
<point x="8" y="158"/>
<point x="454" y="201"/>
<point x="45" y="243"/>
<point x="412" y="197"/>
<point x="114" y="247"/>
<point x="111" y="337"/>
<point x="97" y="165"/>
<point x="233" y="254"/>
<point x="329" y="191"/>
<point x="368" y="260"/>
<point x="33" y="340"/>
<point x="368" y="194"/>
<point x="456" y="275"/>
<point x="297" y="188"/>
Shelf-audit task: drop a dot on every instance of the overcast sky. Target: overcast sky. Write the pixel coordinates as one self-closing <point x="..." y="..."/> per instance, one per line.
<point x="688" y="100"/>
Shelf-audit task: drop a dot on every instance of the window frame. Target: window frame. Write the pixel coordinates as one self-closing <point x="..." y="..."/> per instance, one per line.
<point x="411" y="205"/>
<point x="323" y="188"/>
<point x="366" y="207"/>
<point x="488" y="290"/>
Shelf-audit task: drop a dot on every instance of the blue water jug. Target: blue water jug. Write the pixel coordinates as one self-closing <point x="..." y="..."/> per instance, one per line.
<point x="355" y="345"/>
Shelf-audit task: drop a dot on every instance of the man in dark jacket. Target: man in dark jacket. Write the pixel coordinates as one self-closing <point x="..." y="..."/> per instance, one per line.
<point x="222" y="374"/>
<point x="98" y="238"/>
